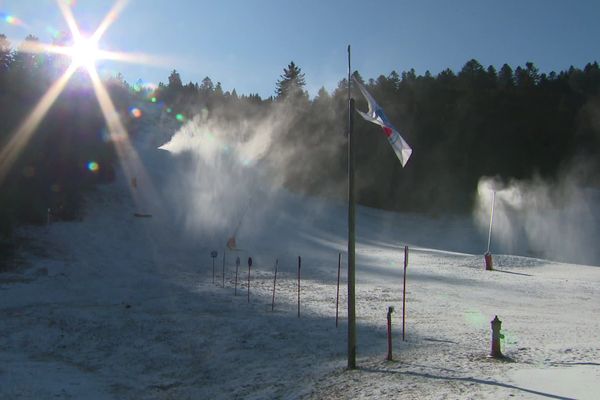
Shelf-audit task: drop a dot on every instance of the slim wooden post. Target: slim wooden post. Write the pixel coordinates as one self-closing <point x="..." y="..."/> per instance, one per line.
<point x="249" y="265"/>
<point x="351" y="234"/>
<point x="404" y="291"/>
<point x="337" y="297"/>
<point x="299" y="265"/>
<point x="224" y="251"/>
<point x="274" y="284"/>
<point x="237" y="267"/>
<point x="213" y="255"/>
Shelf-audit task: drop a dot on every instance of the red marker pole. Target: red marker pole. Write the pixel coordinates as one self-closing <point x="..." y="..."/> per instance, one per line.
<point x="337" y="297"/>
<point x="404" y="291"/>
<point x="274" y="283"/>
<point x="299" y="265"/>
<point x="249" y="265"/>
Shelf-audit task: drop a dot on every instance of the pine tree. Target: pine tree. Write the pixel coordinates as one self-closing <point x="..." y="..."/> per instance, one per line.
<point x="175" y="80"/>
<point x="505" y="76"/>
<point x="291" y="83"/>
<point x="5" y="54"/>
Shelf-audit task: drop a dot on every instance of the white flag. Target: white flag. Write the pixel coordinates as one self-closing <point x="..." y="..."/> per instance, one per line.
<point x="377" y="116"/>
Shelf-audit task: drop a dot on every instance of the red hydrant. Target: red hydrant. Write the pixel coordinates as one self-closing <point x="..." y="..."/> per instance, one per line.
<point x="489" y="265"/>
<point x="496" y="336"/>
<point x="389" y="332"/>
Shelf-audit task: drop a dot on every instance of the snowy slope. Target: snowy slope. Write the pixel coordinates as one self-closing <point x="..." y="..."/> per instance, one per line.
<point x="118" y="307"/>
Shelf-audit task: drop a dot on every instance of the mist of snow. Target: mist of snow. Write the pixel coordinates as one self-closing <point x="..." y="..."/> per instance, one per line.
<point x="221" y="179"/>
<point x="557" y="220"/>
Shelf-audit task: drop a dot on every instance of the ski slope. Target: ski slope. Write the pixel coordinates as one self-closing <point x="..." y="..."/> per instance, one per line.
<point x="119" y="307"/>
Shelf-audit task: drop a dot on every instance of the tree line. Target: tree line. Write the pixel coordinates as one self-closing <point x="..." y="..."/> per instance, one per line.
<point x="512" y="124"/>
<point x="508" y="123"/>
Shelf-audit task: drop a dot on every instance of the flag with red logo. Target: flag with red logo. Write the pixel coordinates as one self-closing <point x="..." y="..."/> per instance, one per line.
<point x="377" y="116"/>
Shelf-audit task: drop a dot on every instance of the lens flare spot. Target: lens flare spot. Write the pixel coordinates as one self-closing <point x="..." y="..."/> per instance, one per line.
<point x="153" y="99"/>
<point x="55" y="33"/>
<point x="169" y="110"/>
<point x="180" y="117"/>
<point x="508" y="339"/>
<point x="475" y="318"/>
<point x="93" y="166"/>
<point x="10" y="19"/>
<point x="135" y="112"/>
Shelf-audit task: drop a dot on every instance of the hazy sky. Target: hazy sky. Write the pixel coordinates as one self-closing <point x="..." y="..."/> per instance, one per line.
<point x="245" y="44"/>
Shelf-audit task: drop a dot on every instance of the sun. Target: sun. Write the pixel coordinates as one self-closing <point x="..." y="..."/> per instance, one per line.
<point x="84" y="53"/>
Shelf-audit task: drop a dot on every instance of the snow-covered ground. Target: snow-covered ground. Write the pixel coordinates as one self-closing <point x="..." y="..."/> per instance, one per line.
<point x="119" y="307"/>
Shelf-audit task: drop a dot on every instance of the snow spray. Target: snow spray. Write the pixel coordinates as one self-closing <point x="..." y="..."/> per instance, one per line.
<point x="217" y="168"/>
<point x="555" y="220"/>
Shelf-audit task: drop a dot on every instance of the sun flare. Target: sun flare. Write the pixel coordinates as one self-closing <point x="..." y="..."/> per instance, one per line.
<point x="84" y="53"/>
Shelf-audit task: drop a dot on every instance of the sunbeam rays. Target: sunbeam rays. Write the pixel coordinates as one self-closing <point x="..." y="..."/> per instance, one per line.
<point x="19" y="139"/>
<point x="109" y="19"/>
<point x="128" y="157"/>
<point x="84" y="53"/>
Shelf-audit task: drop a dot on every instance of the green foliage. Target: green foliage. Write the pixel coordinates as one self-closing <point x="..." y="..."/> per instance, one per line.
<point x="291" y="84"/>
<point x="461" y="126"/>
<point x="478" y="122"/>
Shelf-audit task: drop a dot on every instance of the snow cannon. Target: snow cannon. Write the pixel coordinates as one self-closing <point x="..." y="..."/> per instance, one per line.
<point x="496" y="336"/>
<point x="489" y="265"/>
<point x="231" y="245"/>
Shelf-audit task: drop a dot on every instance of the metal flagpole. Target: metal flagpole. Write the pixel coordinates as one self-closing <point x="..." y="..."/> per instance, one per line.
<point x="351" y="229"/>
<point x="491" y="221"/>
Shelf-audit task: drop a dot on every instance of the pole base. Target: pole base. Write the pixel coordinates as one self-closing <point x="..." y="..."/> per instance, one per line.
<point x="489" y="265"/>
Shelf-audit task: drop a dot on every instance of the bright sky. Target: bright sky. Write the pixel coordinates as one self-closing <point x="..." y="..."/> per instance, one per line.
<point x="245" y="44"/>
